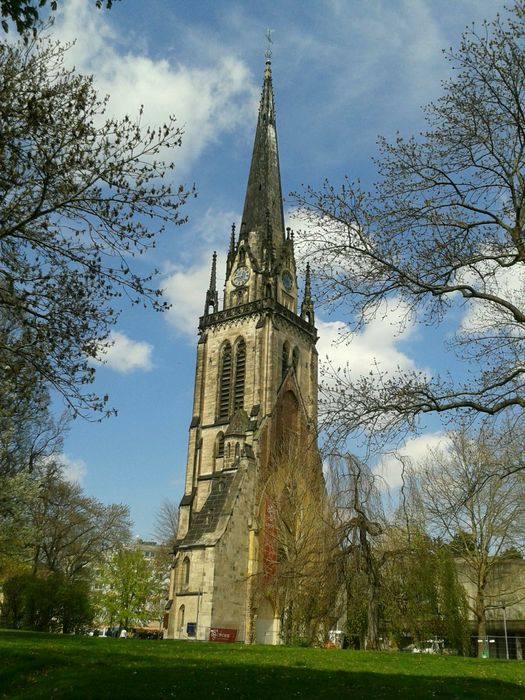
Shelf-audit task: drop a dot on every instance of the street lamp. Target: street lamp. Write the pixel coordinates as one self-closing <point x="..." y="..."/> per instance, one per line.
<point x="505" y="627"/>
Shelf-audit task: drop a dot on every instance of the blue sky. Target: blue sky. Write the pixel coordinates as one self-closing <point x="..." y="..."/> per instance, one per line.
<point x="344" y="71"/>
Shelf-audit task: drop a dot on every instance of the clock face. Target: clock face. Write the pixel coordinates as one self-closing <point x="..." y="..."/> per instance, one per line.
<point x="287" y="280"/>
<point x="241" y="276"/>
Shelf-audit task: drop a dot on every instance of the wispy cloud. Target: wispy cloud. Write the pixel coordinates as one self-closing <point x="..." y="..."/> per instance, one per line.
<point x="125" y="355"/>
<point x="207" y="101"/>
<point x="377" y="345"/>
<point x="414" y="450"/>
<point x="73" y="470"/>
<point x="185" y="289"/>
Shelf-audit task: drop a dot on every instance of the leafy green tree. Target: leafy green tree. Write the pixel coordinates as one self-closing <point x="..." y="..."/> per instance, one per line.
<point x="17" y="494"/>
<point x="421" y="596"/>
<point x="444" y="225"/>
<point x="81" y="196"/>
<point x="45" y="603"/>
<point x="129" y="589"/>
<point x="453" y="603"/>
<point x="410" y="586"/>
<point x="480" y="514"/>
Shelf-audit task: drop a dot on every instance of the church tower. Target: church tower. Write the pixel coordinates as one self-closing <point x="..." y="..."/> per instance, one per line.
<point x="255" y="383"/>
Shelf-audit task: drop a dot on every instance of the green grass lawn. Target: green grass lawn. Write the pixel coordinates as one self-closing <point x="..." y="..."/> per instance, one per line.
<point x="53" y="666"/>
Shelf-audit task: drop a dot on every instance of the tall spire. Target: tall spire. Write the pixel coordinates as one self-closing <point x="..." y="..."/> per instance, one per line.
<point x="212" y="297"/>
<point x="231" y="252"/>
<point x="263" y="193"/>
<point x="307" y="307"/>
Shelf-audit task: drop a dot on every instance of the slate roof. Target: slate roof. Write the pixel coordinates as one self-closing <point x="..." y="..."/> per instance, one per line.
<point x="205" y="521"/>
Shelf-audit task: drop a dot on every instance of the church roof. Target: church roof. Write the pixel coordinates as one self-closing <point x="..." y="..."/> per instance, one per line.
<point x="263" y="205"/>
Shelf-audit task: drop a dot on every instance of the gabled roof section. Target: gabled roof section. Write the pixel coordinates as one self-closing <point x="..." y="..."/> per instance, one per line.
<point x="263" y="205"/>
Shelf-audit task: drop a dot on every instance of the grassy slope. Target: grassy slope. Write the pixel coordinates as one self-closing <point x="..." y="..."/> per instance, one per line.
<point x="46" y="666"/>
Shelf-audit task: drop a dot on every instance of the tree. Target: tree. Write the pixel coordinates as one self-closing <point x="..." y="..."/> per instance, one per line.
<point x="29" y="439"/>
<point x="17" y="493"/>
<point x="359" y="522"/>
<point x="165" y="530"/>
<point x="81" y="196"/>
<point x="129" y="589"/>
<point x="45" y="603"/>
<point x="422" y="597"/>
<point x="25" y="13"/>
<point x="299" y="567"/>
<point x="72" y="531"/>
<point x="480" y="516"/>
<point x="400" y="582"/>
<point x="167" y="522"/>
<point x="444" y="228"/>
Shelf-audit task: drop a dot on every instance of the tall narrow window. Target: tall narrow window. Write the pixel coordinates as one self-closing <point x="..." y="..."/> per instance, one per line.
<point x="240" y="374"/>
<point x="185" y="571"/>
<point x="225" y="381"/>
<point x="180" y="619"/>
<point x="219" y="445"/>
<point x="284" y="361"/>
<point x="295" y="359"/>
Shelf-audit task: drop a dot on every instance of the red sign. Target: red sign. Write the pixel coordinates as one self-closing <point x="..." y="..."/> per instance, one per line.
<point x="221" y="634"/>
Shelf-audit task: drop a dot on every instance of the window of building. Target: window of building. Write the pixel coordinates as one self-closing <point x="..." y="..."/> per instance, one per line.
<point x="284" y="360"/>
<point x="180" y="618"/>
<point x="186" y="571"/>
<point x="219" y="445"/>
<point x="240" y="374"/>
<point x="295" y="359"/>
<point x="225" y="381"/>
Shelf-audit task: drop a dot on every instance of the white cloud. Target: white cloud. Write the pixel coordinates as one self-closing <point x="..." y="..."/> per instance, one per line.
<point x="185" y="289"/>
<point x="375" y="345"/>
<point x="126" y="355"/>
<point x="73" y="470"/>
<point x="186" y="282"/>
<point x="415" y="449"/>
<point x="507" y="283"/>
<point x="206" y="101"/>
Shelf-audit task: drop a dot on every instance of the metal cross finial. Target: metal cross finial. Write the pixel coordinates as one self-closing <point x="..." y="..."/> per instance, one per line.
<point x="268" y="52"/>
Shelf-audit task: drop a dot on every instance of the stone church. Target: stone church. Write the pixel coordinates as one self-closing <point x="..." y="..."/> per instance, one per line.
<point x="255" y="385"/>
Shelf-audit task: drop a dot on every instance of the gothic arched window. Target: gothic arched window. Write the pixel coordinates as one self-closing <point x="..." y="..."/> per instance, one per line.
<point x="219" y="445"/>
<point x="180" y="619"/>
<point x="295" y="359"/>
<point x="186" y="571"/>
<point x="225" y="381"/>
<point x="284" y="359"/>
<point x="240" y="374"/>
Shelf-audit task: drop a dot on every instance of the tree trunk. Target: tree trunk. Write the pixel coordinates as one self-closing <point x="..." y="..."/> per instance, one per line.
<point x="481" y="621"/>
<point x="372" y="633"/>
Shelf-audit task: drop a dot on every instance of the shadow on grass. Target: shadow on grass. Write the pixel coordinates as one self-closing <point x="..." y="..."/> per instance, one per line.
<point x="121" y="670"/>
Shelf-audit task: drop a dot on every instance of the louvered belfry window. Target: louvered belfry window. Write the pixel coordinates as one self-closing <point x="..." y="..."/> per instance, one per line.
<point x="225" y="381"/>
<point x="240" y="374"/>
<point x="219" y="451"/>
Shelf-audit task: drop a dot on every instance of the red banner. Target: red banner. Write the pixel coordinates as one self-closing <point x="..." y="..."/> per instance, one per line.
<point x="221" y="634"/>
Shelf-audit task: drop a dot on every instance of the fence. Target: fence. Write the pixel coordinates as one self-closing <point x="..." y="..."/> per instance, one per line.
<point x="511" y="646"/>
